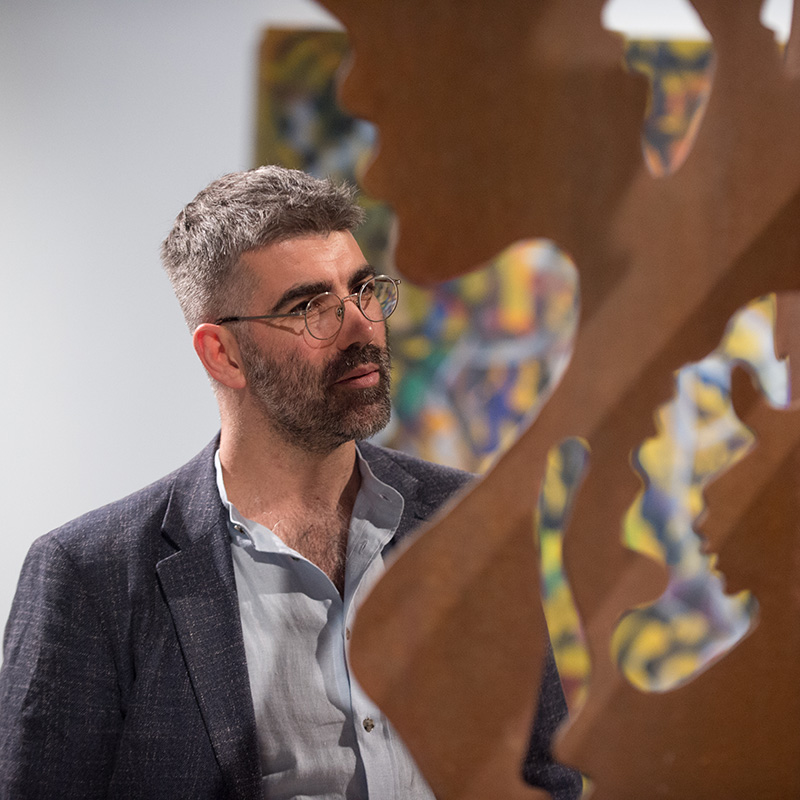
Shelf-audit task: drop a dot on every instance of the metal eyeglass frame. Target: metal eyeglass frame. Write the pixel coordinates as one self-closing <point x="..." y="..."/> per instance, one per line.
<point x="355" y="297"/>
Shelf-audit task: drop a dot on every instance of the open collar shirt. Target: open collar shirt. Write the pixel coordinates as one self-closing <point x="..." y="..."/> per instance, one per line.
<point x="320" y="736"/>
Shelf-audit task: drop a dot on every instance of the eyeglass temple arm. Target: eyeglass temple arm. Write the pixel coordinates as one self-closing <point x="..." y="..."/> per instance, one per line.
<point x="223" y="320"/>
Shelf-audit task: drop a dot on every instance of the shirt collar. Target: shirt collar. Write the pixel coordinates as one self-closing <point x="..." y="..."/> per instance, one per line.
<point x="376" y="502"/>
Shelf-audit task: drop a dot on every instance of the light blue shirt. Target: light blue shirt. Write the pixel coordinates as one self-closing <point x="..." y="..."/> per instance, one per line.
<point x="319" y="735"/>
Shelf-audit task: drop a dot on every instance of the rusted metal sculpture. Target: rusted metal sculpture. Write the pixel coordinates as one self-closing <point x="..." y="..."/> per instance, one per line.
<point x="734" y="731"/>
<point x="518" y="120"/>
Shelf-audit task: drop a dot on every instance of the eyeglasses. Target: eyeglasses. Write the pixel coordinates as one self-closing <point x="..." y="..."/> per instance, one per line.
<point x="324" y="313"/>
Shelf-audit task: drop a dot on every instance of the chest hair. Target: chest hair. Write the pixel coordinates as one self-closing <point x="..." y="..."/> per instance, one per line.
<point x="321" y="537"/>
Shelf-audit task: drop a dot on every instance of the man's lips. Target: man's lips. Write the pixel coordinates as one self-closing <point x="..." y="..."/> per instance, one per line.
<point x="362" y="376"/>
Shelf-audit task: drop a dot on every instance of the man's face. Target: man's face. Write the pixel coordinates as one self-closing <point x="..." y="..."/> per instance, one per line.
<point x="317" y="394"/>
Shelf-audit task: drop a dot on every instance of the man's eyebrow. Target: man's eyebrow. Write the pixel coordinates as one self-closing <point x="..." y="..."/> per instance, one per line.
<point x="303" y="290"/>
<point x="309" y="290"/>
<point x="361" y="275"/>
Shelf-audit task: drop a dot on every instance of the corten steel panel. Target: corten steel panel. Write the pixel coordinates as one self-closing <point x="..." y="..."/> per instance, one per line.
<point x="514" y="121"/>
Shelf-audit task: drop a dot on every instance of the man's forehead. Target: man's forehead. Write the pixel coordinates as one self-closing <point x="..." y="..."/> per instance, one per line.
<point x="324" y="260"/>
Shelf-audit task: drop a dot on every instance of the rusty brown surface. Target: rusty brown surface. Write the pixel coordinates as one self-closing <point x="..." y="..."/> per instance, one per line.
<point x="520" y="121"/>
<point x="733" y="731"/>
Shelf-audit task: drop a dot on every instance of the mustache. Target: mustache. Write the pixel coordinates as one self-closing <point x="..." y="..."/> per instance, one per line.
<point x="354" y="357"/>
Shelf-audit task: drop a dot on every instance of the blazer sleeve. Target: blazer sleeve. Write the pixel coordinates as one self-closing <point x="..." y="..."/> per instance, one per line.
<point x="60" y="716"/>
<point x="540" y="769"/>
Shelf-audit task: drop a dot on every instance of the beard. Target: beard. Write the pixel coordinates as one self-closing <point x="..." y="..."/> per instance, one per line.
<point x="304" y="404"/>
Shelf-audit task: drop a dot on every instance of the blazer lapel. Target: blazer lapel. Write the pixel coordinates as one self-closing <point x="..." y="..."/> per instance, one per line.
<point x="200" y="590"/>
<point x="415" y="510"/>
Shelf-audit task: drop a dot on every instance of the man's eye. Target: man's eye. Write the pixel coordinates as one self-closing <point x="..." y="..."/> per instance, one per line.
<point x="367" y="289"/>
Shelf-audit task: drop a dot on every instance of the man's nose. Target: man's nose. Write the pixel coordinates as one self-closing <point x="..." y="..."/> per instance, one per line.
<point x="356" y="328"/>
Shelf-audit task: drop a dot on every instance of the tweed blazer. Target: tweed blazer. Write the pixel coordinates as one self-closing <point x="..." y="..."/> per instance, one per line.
<point x="124" y="669"/>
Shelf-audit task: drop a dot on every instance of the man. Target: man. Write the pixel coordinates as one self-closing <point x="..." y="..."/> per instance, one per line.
<point x="190" y="640"/>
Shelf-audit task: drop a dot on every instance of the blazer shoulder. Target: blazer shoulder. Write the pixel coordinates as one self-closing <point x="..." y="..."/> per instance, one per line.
<point x="435" y="481"/>
<point x="122" y="524"/>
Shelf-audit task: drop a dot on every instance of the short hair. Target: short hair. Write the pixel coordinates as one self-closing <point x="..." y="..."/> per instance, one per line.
<point x="240" y="212"/>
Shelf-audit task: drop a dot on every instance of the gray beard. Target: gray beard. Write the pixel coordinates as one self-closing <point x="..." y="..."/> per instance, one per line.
<point x="302" y="404"/>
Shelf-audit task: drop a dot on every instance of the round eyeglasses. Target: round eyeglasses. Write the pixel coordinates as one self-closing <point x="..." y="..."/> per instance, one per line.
<point x="324" y="313"/>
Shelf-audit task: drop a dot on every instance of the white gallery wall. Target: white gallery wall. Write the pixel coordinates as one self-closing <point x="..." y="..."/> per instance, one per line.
<point x="113" y="115"/>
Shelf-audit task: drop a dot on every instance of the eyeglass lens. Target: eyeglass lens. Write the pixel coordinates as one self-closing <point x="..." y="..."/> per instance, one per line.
<point x="377" y="299"/>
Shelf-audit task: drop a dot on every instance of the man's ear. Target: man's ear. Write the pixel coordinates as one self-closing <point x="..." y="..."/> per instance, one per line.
<point x="218" y="349"/>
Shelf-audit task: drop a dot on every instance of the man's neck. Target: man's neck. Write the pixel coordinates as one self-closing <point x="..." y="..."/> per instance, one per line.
<point x="266" y="477"/>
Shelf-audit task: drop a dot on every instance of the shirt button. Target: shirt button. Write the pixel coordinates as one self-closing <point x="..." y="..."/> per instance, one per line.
<point x="368" y="725"/>
<point x="238" y="528"/>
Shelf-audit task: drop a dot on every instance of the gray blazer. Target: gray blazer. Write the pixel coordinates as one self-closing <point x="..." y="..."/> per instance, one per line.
<point x="124" y="669"/>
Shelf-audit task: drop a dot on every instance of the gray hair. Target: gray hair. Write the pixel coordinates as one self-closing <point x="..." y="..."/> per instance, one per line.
<point x="240" y="212"/>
